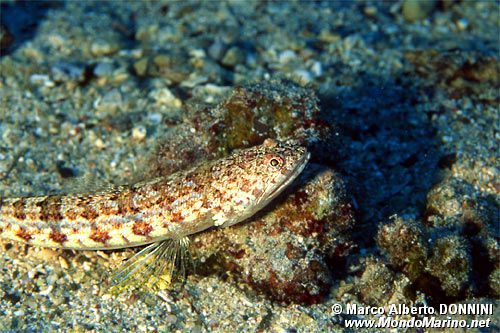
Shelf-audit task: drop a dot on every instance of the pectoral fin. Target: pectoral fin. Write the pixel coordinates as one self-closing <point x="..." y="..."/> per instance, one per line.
<point x="153" y="267"/>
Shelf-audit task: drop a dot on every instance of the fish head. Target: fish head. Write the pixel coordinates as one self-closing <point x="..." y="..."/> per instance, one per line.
<point x="257" y="175"/>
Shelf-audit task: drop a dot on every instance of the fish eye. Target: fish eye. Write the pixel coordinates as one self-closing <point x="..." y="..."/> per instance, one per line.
<point x="276" y="162"/>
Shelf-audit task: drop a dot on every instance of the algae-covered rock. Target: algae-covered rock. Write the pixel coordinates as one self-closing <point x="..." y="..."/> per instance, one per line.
<point x="461" y="74"/>
<point x="279" y="109"/>
<point x="275" y="109"/>
<point x="405" y="247"/>
<point x="472" y="220"/>
<point x="414" y="10"/>
<point x="453" y="251"/>
<point x="450" y="263"/>
<point x="170" y="65"/>
<point x="455" y="203"/>
<point x="376" y="283"/>
<point x="494" y="282"/>
<point x="285" y="251"/>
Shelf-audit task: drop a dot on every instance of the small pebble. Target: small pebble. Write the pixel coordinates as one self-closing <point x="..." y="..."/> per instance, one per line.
<point x="317" y="68"/>
<point x="139" y="133"/>
<point x="171" y="319"/>
<point x="99" y="143"/>
<point x="51" y="279"/>
<point x="141" y="66"/>
<point x="111" y="101"/>
<point x="164" y="96"/>
<point x="370" y="11"/>
<point x="64" y="263"/>
<point x="286" y="56"/>
<point x="462" y="24"/>
<point x="56" y="40"/>
<point x="414" y="10"/>
<point x="18" y="313"/>
<point x="305" y="76"/>
<point x="47" y="254"/>
<point x="154" y="118"/>
<point x="233" y="57"/>
<point x="47" y="291"/>
<point x="41" y="80"/>
<point x="100" y="48"/>
<point x="86" y="266"/>
<point x="104" y="69"/>
<point x="217" y="49"/>
<point x="62" y="72"/>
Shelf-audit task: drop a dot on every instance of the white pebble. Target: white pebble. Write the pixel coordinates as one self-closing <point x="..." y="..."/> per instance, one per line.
<point x="286" y="56"/>
<point x="18" y="313"/>
<point x="164" y="96"/>
<point x="99" y="143"/>
<point x="86" y="266"/>
<point x="41" y="80"/>
<point x="155" y="117"/>
<point x="100" y="48"/>
<point x="462" y="24"/>
<point x="317" y="68"/>
<point x="46" y="292"/>
<point x="139" y="133"/>
<point x="304" y="75"/>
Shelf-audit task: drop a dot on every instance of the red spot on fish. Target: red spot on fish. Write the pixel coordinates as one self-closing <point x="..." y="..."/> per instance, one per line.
<point x="58" y="237"/>
<point x="22" y="233"/>
<point x="100" y="236"/>
<point x="176" y="217"/>
<point x="141" y="228"/>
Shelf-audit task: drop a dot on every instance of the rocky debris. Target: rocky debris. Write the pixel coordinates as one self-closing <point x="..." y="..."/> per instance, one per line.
<point x="287" y="250"/>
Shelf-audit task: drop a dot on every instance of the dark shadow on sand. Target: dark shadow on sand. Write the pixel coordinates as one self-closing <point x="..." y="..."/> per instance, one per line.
<point x="20" y="21"/>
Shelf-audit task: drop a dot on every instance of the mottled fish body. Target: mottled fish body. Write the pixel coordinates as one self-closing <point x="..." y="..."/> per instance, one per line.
<point x="212" y="194"/>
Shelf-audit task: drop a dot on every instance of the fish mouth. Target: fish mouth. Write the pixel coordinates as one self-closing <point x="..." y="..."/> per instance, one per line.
<point x="301" y="164"/>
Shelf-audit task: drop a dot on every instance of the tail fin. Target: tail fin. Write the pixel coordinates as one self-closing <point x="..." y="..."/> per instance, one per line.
<point x="153" y="267"/>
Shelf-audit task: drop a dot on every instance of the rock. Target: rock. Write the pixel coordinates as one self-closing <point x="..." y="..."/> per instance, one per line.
<point x="405" y="247"/>
<point x="271" y="109"/>
<point x="41" y="80"/>
<point x="414" y="10"/>
<point x="450" y="264"/>
<point x="287" y="56"/>
<point x="110" y="102"/>
<point x="163" y="96"/>
<point x="304" y="75"/>
<point x="317" y="68"/>
<point x="279" y="109"/>
<point x="102" y="48"/>
<point x="172" y="65"/>
<point x="461" y="74"/>
<point x="64" y="72"/>
<point x="139" y="133"/>
<point x="141" y="66"/>
<point x="233" y="56"/>
<point x="285" y="251"/>
<point x="217" y="49"/>
<point x="104" y="69"/>
<point x="375" y="286"/>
